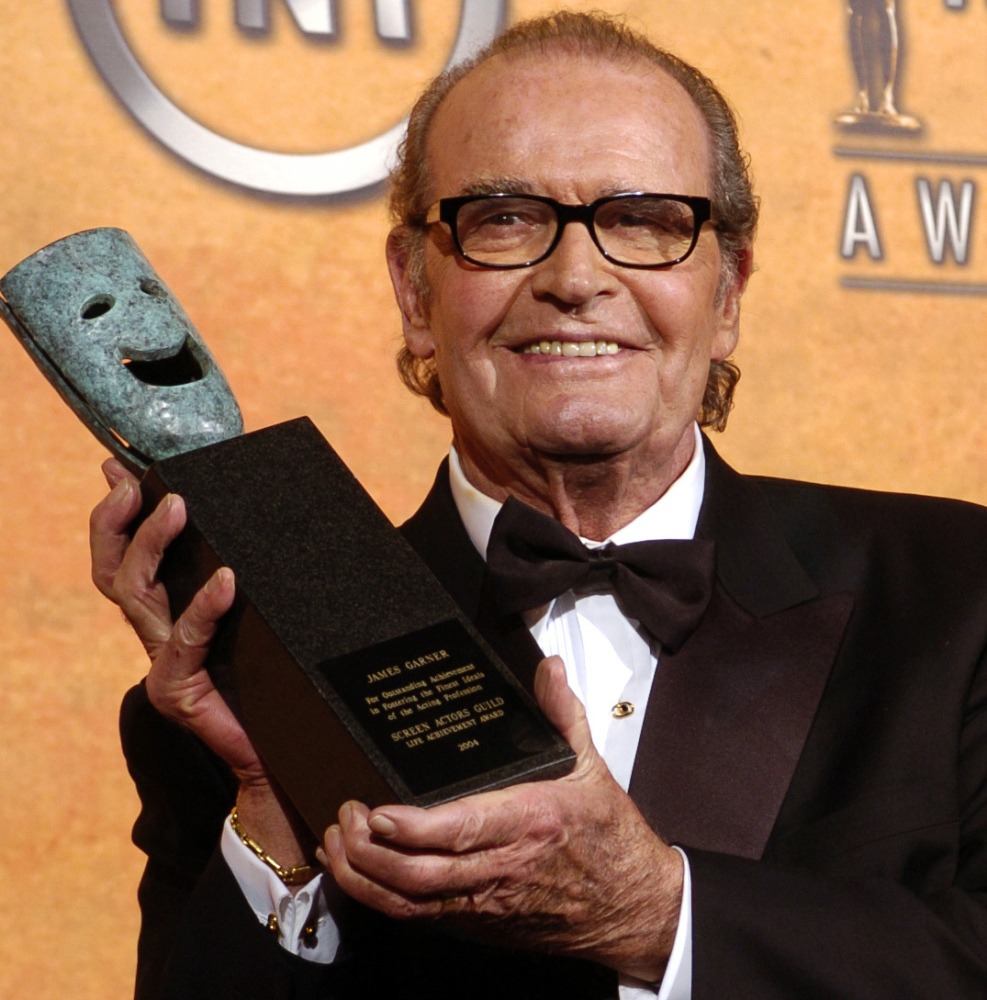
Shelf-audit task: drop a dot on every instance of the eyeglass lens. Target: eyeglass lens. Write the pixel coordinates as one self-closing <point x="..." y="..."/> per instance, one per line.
<point x="631" y="230"/>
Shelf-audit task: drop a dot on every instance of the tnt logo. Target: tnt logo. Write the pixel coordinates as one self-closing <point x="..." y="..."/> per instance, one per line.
<point x="316" y="18"/>
<point x="192" y="136"/>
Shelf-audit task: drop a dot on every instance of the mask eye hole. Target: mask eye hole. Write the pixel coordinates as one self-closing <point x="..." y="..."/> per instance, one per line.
<point x="97" y="306"/>
<point x="153" y="288"/>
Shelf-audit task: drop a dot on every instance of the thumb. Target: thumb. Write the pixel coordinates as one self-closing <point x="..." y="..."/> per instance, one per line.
<point x="562" y="708"/>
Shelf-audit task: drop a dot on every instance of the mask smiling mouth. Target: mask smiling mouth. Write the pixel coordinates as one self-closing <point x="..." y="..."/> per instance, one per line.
<point x="181" y="368"/>
<point x="571" y="348"/>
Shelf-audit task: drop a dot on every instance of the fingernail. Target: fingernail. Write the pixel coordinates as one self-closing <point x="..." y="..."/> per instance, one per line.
<point x="165" y="505"/>
<point x="345" y="814"/>
<point x="218" y="579"/>
<point x="383" y="825"/>
<point x="321" y="857"/>
<point x="119" y="492"/>
<point x="333" y="840"/>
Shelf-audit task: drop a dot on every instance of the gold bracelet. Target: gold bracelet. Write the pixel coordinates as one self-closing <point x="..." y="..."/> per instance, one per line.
<point x="298" y="875"/>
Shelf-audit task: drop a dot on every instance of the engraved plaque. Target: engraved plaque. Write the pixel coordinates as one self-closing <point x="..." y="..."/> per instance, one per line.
<point x="438" y="711"/>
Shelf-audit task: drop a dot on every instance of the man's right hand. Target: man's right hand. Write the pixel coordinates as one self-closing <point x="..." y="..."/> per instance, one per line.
<point x="178" y="685"/>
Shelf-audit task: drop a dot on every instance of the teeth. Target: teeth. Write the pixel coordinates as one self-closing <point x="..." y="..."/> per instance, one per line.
<point x="572" y="349"/>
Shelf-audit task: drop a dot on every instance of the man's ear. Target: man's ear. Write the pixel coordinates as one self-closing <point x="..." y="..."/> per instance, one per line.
<point x="414" y="319"/>
<point x="729" y="308"/>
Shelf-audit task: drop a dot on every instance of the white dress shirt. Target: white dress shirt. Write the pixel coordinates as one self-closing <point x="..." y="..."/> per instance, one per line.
<point x="609" y="658"/>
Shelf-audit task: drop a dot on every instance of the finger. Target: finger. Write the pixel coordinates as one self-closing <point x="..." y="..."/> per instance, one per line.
<point x="475" y="823"/>
<point x="180" y="688"/>
<point x="114" y="471"/>
<point x="562" y="708"/>
<point x="364" y="887"/>
<point x="419" y="876"/>
<point x="136" y="588"/>
<point x="177" y="683"/>
<point x="108" y="537"/>
<point x="186" y="649"/>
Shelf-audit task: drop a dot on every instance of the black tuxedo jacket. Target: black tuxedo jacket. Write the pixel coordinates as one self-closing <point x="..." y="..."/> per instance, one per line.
<point x="818" y="747"/>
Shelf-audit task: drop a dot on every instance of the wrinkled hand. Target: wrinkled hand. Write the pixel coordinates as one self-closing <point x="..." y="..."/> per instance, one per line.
<point x="178" y="684"/>
<point x="567" y="866"/>
<point x="125" y="571"/>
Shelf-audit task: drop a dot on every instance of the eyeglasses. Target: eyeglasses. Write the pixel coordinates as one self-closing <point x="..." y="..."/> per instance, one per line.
<point x="637" y="229"/>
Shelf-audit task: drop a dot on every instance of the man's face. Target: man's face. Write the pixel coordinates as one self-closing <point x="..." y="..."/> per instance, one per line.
<point x="574" y="129"/>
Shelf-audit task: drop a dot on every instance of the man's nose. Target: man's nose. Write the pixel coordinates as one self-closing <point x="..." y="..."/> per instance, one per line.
<point x="576" y="271"/>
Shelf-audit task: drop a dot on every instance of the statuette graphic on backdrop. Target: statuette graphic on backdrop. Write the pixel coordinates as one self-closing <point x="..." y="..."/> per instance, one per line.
<point x="875" y="45"/>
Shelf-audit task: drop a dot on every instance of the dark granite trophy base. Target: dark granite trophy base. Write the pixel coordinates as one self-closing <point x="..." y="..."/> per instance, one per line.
<point x="353" y="671"/>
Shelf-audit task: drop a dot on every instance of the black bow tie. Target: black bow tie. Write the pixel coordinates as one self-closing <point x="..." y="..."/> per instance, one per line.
<point x="665" y="585"/>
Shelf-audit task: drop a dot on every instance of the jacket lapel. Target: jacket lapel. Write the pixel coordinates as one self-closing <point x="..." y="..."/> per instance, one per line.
<point x="729" y="714"/>
<point x="727" y="719"/>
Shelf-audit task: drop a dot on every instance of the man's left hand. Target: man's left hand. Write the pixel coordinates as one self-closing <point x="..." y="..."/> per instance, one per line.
<point x="567" y="866"/>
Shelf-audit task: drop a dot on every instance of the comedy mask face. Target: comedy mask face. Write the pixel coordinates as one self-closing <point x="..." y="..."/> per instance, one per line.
<point x="119" y="348"/>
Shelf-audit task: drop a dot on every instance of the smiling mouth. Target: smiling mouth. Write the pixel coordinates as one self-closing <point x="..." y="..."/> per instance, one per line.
<point x="571" y="348"/>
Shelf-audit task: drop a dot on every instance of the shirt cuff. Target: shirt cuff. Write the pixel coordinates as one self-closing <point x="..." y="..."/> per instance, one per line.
<point x="677" y="981"/>
<point x="302" y="920"/>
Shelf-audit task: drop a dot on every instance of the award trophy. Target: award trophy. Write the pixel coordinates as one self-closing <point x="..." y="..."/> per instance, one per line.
<point x="353" y="671"/>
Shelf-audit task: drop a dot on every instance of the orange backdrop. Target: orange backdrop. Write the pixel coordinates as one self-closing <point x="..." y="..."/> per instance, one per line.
<point x="859" y="367"/>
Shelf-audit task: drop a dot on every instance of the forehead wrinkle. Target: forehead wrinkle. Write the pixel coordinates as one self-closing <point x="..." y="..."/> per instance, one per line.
<point x="498" y="185"/>
<point x="515" y="185"/>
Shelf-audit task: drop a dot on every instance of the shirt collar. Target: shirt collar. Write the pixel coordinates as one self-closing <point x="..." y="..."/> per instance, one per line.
<point x="673" y="515"/>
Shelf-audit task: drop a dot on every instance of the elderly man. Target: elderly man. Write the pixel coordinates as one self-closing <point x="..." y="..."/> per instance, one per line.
<point x="785" y="799"/>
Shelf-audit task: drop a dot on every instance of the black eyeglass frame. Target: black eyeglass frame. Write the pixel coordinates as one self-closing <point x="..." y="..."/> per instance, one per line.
<point x="448" y="212"/>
